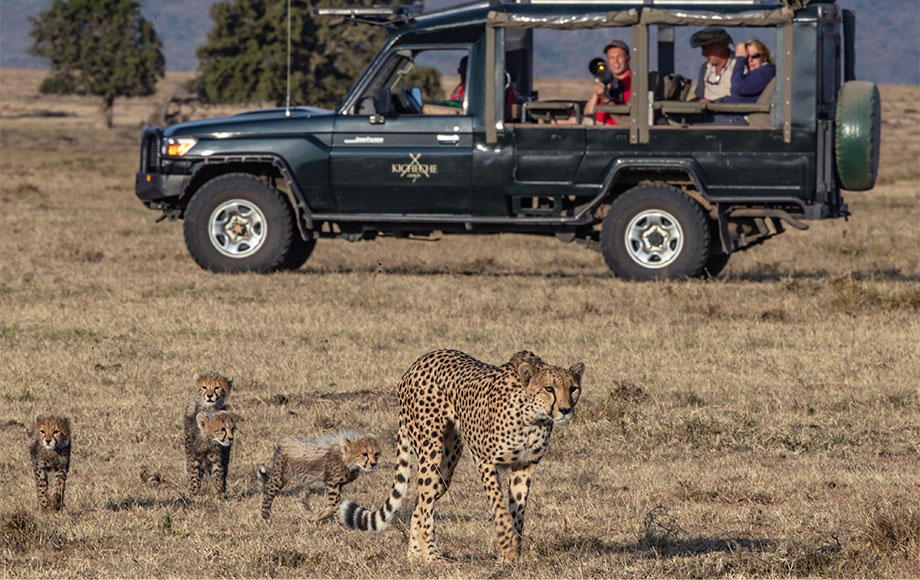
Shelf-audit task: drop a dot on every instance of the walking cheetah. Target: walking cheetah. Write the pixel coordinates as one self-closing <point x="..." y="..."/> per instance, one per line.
<point x="334" y="460"/>
<point x="50" y="453"/>
<point x="210" y="451"/>
<point x="448" y="399"/>
<point x="211" y="392"/>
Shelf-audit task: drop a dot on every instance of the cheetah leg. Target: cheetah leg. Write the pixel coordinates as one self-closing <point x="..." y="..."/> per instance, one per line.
<point x="406" y="450"/>
<point x="509" y="542"/>
<point x="421" y="528"/>
<point x="57" y="496"/>
<point x="195" y="474"/>
<point x="219" y="473"/>
<point x="191" y="465"/>
<point x="518" y="488"/>
<point x="274" y="484"/>
<point x="453" y="449"/>
<point x="333" y="496"/>
<point x="41" y="487"/>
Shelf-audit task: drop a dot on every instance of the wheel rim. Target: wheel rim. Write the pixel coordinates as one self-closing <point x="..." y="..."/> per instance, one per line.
<point x="654" y="239"/>
<point x="237" y="228"/>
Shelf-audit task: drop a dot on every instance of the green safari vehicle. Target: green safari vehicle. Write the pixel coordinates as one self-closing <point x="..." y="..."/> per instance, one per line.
<point x="660" y="195"/>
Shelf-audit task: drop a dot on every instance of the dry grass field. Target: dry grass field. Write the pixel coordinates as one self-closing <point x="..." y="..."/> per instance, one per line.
<point x="763" y="424"/>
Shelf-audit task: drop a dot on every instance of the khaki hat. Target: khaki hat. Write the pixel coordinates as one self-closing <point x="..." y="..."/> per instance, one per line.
<point x="710" y="35"/>
<point x="617" y="44"/>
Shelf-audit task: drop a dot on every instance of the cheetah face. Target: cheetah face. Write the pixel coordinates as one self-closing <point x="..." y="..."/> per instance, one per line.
<point x="52" y="432"/>
<point x="213" y="388"/>
<point x="218" y="427"/>
<point x="555" y="390"/>
<point x="361" y="454"/>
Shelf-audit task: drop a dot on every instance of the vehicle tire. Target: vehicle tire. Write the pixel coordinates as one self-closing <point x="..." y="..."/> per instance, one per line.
<point x="715" y="263"/>
<point x="239" y="223"/>
<point x="655" y="231"/>
<point x="717" y="259"/>
<point x="299" y="253"/>
<point x="858" y="138"/>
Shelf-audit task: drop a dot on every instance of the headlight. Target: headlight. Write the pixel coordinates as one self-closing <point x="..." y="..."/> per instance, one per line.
<point x="174" y="147"/>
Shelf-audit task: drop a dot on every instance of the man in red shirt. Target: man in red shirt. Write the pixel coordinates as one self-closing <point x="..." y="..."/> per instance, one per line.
<point x="618" y="91"/>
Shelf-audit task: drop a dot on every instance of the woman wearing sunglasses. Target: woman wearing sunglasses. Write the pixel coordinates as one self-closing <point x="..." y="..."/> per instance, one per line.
<point x="754" y="69"/>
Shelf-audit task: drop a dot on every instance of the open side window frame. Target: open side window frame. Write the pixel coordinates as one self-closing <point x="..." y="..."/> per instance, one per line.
<point x="782" y="18"/>
<point x="639" y="20"/>
<point x="370" y="81"/>
<point x="497" y="21"/>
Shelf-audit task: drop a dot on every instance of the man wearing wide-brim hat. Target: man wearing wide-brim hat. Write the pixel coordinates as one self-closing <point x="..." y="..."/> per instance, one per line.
<point x="715" y="80"/>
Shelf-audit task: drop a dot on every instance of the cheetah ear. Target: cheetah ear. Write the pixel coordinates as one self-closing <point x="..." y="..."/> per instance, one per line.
<point x="199" y="418"/>
<point x="525" y="371"/>
<point x="230" y="383"/>
<point x="577" y="370"/>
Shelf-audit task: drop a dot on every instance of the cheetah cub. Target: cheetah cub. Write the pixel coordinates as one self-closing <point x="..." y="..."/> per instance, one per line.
<point x="210" y="450"/>
<point x="334" y="460"/>
<point x="50" y="453"/>
<point x="211" y="392"/>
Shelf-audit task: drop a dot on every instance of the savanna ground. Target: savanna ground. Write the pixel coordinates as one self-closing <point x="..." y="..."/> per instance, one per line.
<point x="766" y="423"/>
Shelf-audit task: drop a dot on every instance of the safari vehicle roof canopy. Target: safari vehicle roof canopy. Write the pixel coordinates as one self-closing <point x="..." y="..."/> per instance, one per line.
<point x="687" y="13"/>
<point x="578" y="15"/>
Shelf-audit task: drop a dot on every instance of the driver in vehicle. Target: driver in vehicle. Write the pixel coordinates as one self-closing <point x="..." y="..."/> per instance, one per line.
<point x="459" y="93"/>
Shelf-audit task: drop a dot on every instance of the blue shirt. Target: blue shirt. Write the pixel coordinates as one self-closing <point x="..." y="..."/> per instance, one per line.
<point x="747" y="87"/>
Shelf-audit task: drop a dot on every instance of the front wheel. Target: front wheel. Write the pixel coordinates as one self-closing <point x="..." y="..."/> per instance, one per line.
<point x="655" y="231"/>
<point x="239" y="223"/>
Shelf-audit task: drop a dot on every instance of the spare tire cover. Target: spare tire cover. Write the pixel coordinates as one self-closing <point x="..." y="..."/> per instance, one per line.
<point x="858" y="138"/>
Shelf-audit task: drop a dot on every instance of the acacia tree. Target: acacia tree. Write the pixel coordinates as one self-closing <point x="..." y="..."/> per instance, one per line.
<point x="245" y="56"/>
<point x="98" y="47"/>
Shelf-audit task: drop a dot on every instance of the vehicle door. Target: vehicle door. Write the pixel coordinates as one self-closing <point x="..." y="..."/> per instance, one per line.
<point x="403" y="147"/>
<point x="548" y="137"/>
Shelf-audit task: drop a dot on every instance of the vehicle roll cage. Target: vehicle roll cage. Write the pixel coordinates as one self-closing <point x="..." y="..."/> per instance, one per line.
<point x="639" y="19"/>
<point x="618" y="14"/>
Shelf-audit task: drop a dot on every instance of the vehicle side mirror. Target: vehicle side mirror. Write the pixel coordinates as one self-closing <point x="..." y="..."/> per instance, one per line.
<point x="416" y="93"/>
<point x="383" y="103"/>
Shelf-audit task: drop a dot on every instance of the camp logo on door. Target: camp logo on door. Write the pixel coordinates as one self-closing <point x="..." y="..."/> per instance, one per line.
<point x="415" y="168"/>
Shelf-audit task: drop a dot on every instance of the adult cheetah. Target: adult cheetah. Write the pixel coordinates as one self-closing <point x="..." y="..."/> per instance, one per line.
<point x="505" y="414"/>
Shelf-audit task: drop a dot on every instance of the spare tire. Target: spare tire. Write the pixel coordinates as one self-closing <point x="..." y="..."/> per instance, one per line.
<point x="859" y="125"/>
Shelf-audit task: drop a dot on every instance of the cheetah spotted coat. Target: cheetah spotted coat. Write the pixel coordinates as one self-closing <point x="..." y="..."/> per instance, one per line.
<point x="504" y="415"/>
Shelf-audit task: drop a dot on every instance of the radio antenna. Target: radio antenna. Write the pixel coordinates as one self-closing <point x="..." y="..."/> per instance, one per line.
<point x="287" y="106"/>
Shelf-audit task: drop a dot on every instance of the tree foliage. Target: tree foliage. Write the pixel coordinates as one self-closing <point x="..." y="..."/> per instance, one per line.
<point x="245" y="56"/>
<point x="98" y="47"/>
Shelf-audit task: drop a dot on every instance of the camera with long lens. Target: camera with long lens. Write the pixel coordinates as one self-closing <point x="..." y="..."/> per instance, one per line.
<point x="600" y="70"/>
<point x="613" y="89"/>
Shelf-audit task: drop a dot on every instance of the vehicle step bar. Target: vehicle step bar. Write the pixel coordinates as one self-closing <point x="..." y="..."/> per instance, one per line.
<point x="582" y="219"/>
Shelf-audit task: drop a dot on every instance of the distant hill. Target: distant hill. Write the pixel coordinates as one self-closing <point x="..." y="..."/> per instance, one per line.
<point x="888" y="38"/>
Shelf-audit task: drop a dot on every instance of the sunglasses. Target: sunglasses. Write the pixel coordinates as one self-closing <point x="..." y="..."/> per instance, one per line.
<point x="755" y="56"/>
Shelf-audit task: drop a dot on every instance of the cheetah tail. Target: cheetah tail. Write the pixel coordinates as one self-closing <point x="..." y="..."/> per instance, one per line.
<point x="353" y="516"/>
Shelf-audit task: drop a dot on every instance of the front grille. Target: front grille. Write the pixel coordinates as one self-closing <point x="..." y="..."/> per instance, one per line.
<point x="150" y="149"/>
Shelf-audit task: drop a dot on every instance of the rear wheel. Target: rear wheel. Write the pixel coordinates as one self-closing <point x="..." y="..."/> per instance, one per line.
<point x="715" y="263"/>
<point x="239" y="223"/>
<point x="299" y="253"/>
<point x="717" y="259"/>
<point x="655" y="231"/>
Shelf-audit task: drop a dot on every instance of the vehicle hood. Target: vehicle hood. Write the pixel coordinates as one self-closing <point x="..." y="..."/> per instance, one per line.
<point x="250" y="123"/>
